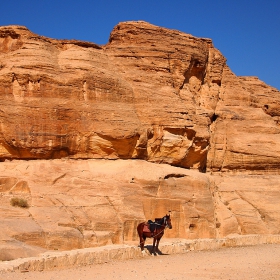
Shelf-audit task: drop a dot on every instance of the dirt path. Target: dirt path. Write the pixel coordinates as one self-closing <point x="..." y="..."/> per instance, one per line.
<point x="260" y="262"/>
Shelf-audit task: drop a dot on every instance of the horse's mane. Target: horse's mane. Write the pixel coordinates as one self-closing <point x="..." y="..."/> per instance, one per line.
<point x="161" y="220"/>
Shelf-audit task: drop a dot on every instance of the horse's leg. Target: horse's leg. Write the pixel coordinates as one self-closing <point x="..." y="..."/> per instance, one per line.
<point x="157" y="244"/>
<point x="154" y="242"/>
<point x="141" y="235"/>
<point x="142" y="242"/>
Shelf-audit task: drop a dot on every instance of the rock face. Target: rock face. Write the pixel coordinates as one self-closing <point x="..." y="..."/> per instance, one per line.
<point x="151" y="95"/>
<point x="89" y="203"/>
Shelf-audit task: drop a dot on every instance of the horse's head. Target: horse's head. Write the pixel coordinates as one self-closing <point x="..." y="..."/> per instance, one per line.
<point x="167" y="221"/>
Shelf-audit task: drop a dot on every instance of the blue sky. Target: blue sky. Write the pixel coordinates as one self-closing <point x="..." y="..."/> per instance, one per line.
<point x="247" y="32"/>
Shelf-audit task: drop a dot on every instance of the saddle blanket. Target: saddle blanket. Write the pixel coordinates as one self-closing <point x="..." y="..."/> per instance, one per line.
<point x="146" y="228"/>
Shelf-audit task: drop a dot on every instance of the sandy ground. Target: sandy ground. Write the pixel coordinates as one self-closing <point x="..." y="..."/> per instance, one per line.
<point x="256" y="262"/>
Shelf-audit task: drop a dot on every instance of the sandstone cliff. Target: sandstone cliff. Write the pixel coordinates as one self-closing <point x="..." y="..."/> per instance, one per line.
<point x="150" y="94"/>
<point x="89" y="203"/>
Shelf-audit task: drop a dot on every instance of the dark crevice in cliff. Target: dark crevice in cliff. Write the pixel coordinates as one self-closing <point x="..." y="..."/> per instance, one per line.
<point x="174" y="175"/>
<point x="218" y="82"/>
<point x="9" y="32"/>
<point x="213" y="118"/>
<point x="196" y="69"/>
<point x="82" y="44"/>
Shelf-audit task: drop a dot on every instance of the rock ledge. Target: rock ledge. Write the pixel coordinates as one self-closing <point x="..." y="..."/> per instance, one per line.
<point x="90" y="256"/>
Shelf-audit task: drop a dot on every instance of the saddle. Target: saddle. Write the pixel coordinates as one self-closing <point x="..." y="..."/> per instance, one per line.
<point x="150" y="226"/>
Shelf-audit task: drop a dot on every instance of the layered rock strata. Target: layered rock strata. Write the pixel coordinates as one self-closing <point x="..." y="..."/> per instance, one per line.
<point x="151" y="95"/>
<point x="88" y="203"/>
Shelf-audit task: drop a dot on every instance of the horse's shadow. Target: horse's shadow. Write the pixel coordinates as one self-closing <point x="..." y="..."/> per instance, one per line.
<point x="150" y="249"/>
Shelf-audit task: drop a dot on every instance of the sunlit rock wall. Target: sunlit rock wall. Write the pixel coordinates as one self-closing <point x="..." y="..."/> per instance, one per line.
<point x="149" y="96"/>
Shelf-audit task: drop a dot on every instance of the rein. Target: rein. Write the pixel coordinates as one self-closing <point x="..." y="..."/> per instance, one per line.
<point x="160" y="231"/>
<point x="155" y="235"/>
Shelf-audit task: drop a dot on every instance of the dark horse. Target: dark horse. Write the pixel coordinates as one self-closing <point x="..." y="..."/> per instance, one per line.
<point x="144" y="231"/>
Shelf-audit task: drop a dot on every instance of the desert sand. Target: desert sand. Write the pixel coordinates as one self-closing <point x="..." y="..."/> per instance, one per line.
<point x="260" y="262"/>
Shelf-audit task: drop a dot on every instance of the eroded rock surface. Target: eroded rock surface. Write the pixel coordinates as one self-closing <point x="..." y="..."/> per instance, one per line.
<point x="150" y="93"/>
<point x="88" y="203"/>
<point x="86" y="126"/>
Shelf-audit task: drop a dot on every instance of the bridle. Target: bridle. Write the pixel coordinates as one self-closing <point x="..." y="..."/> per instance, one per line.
<point x="165" y="222"/>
